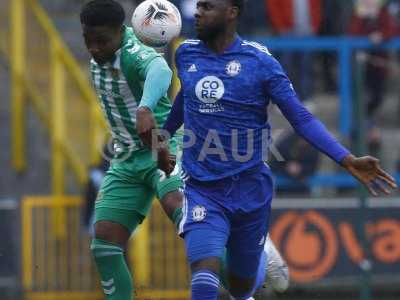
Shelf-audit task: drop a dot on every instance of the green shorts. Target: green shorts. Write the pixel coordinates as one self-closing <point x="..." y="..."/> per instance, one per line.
<point x="131" y="184"/>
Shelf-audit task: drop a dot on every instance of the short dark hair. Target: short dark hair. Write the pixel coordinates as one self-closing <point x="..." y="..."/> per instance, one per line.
<point x="102" y="13"/>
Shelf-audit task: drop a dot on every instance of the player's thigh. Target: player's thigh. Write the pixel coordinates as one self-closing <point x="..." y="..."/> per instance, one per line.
<point x="123" y="201"/>
<point x="204" y="227"/>
<point x="246" y="242"/>
<point x="204" y="247"/>
<point x="124" y="192"/>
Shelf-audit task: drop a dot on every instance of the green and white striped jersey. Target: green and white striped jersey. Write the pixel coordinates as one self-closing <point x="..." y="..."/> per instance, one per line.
<point x="119" y="86"/>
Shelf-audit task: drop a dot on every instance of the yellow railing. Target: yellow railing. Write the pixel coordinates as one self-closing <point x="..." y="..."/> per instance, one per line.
<point x="44" y="72"/>
<point x="56" y="268"/>
<point x="55" y="253"/>
<point x="46" y="75"/>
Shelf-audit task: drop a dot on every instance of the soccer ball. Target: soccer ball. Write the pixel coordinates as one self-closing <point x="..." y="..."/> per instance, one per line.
<point x="156" y="22"/>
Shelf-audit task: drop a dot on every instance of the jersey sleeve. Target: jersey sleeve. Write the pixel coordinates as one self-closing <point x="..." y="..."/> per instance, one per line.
<point x="279" y="88"/>
<point x="176" y="116"/>
<point x="158" y="79"/>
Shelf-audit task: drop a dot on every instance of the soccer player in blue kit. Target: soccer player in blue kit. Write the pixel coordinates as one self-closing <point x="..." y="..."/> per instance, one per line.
<point x="226" y="85"/>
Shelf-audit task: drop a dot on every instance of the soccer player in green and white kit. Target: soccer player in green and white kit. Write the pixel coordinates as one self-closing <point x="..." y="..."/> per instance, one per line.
<point x="131" y="81"/>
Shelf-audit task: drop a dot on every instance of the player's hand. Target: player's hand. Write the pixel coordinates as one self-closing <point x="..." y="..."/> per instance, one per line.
<point x="165" y="160"/>
<point x="145" y="123"/>
<point x="368" y="171"/>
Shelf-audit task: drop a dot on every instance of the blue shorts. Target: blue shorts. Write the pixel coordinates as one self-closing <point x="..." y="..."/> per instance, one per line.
<point x="233" y="213"/>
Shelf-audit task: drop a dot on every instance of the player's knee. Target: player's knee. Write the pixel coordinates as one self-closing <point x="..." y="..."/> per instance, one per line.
<point x="101" y="249"/>
<point x="212" y="264"/>
<point x="111" y="232"/>
<point x="171" y="202"/>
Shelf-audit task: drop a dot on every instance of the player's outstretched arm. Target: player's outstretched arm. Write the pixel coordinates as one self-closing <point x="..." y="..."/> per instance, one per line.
<point x="158" y="79"/>
<point x="368" y="171"/>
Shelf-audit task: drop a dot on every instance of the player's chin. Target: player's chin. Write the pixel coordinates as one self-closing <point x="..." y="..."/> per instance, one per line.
<point x="101" y="60"/>
<point x="203" y="35"/>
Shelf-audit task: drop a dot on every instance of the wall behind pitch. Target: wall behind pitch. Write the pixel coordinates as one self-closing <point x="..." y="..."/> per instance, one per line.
<point x="9" y="249"/>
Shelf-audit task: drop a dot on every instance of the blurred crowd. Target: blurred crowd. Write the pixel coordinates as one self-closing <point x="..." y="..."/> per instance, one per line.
<point x="298" y="17"/>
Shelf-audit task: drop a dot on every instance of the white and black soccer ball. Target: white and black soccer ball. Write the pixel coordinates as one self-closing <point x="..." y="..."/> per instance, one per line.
<point x="156" y="22"/>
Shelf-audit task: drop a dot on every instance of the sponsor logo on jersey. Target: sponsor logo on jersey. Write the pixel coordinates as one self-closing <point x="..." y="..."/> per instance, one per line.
<point x="134" y="49"/>
<point x="210" y="89"/>
<point x="199" y="213"/>
<point x="233" y="68"/>
<point x="192" y="68"/>
<point x="144" y="55"/>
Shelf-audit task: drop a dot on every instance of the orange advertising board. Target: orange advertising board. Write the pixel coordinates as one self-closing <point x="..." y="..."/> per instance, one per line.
<point x="320" y="243"/>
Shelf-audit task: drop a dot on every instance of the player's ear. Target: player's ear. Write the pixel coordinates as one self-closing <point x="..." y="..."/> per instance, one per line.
<point x="233" y="12"/>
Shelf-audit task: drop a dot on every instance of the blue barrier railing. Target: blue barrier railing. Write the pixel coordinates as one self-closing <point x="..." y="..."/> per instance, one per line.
<point x="342" y="180"/>
<point x="345" y="47"/>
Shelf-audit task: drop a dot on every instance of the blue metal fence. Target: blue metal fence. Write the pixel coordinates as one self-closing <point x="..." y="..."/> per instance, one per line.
<point x="344" y="47"/>
<point x="342" y="180"/>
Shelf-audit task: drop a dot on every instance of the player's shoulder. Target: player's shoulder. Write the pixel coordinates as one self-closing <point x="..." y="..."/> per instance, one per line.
<point x="133" y="48"/>
<point x="189" y="45"/>
<point x="260" y="52"/>
<point x="255" y="48"/>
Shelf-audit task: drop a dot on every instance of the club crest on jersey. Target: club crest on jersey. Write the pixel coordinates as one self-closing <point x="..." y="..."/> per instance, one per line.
<point x="199" y="213"/>
<point x="135" y="48"/>
<point x="233" y="68"/>
<point x="114" y="73"/>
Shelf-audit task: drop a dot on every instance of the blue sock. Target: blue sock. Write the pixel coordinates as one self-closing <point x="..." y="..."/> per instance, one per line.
<point x="259" y="278"/>
<point x="205" y="285"/>
<point x="261" y="271"/>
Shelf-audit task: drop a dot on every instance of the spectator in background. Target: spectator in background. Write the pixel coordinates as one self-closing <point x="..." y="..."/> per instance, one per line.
<point x="336" y="15"/>
<point x="300" y="162"/>
<point x="371" y="18"/>
<point x="253" y="20"/>
<point x="394" y="10"/>
<point x="296" y="18"/>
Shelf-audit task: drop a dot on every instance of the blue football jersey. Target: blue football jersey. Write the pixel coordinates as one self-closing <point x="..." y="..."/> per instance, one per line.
<point x="225" y="99"/>
<point x="225" y="108"/>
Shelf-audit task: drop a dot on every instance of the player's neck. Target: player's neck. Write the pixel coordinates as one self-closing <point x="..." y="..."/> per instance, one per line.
<point x="221" y="42"/>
